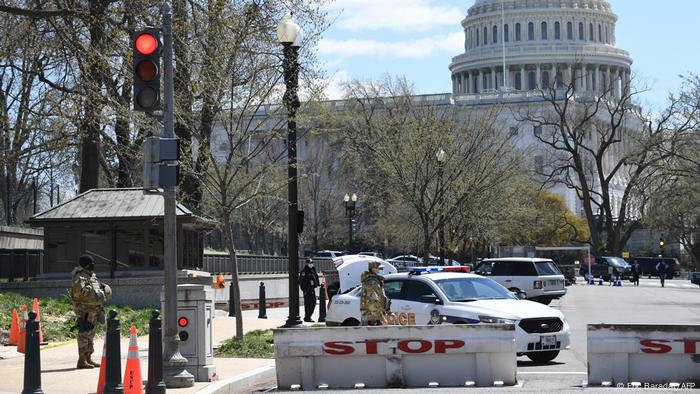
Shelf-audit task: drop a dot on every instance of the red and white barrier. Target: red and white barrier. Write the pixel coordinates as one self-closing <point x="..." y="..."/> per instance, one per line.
<point x="642" y="354"/>
<point x="395" y="356"/>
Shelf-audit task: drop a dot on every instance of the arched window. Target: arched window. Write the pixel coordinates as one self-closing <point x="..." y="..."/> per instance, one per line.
<point x="486" y="36"/>
<point x="557" y="31"/>
<point x="559" y="80"/>
<point x="543" y="30"/>
<point x="581" y="35"/>
<point x="531" y="82"/>
<point x="495" y="34"/>
<point x="477" y="37"/>
<point x="600" y="33"/>
<point x="505" y="33"/>
<point x="590" y="32"/>
<point x="518" y="37"/>
<point x="607" y="35"/>
<point x="518" y="81"/>
<point x="545" y="79"/>
<point x="530" y="31"/>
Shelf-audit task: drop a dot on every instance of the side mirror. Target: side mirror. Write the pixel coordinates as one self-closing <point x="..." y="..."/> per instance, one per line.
<point x="520" y="294"/>
<point x="430" y="299"/>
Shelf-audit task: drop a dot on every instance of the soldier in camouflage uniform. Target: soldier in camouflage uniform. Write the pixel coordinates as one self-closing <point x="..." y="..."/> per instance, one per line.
<point x="374" y="304"/>
<point x="88" y="296"/>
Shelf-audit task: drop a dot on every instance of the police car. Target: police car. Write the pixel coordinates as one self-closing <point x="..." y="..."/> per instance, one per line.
<point x="442" y="295"/>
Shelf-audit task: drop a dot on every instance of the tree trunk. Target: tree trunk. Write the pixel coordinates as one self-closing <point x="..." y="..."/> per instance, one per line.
<point x="124" y="151"/>
<point x="190" y="185"/>
<point x="91" y="77"/>
<point x="228" y="235"/>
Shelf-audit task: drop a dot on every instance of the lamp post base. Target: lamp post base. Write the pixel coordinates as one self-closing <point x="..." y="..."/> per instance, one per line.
<point x="174" y="373"/>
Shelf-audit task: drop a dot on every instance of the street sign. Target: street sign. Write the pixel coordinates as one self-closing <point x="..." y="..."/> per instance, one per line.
<point x="625" y="255"/>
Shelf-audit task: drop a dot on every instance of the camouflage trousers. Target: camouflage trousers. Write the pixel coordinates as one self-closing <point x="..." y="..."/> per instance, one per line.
<point x="87" y="322"/>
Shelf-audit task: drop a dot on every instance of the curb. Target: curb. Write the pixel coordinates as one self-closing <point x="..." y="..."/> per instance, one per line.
<point x="240" y="382"/>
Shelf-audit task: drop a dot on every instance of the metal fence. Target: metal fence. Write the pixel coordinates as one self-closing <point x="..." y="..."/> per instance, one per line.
<point x="249" y="264"/>
<point x="20" y="263"/>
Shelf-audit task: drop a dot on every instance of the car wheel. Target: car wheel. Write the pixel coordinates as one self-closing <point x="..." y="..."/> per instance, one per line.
<point x="543" y="357"/>
<point x="350" y="323"/>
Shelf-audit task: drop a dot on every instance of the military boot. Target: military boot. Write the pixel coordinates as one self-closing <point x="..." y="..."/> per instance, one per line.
<point x="83" y="361"/>
<point x="88" y="358"/>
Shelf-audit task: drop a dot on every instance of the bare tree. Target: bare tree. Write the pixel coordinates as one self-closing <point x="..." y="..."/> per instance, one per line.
<point x="601" y="145"/>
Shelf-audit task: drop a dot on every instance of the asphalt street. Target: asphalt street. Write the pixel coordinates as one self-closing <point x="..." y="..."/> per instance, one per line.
<point x="677" y="303"/>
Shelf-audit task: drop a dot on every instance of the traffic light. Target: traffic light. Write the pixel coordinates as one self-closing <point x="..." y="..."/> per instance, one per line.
<point x="183" y="322"/>
<point x="661" y="246"/>
<point x="146" y="51"/>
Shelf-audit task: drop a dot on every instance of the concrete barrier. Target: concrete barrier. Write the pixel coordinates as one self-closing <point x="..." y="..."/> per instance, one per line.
<point x="395" y="356"/>
<point x="640" y="355"/>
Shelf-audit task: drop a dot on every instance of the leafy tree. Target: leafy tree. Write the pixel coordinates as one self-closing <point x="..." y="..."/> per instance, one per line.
<point x="541" y="218"/>
<point x="394" y="140"/>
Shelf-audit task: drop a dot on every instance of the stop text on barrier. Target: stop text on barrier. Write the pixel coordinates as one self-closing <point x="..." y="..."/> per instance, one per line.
<point x="660" y="346"/>
<point x="387" y="346"/>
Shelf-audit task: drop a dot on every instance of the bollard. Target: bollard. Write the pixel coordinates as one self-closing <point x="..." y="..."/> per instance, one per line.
<point x="155" y="384"/>
<point x="262" y="302"/>
<point x="600" y="281"/>
<point x="322" y="303"/>
<point x="32" y="358"/>
<point x="113" y="372"/>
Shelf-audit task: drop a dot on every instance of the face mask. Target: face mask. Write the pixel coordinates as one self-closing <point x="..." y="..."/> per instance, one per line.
<point x="310" y="265"/>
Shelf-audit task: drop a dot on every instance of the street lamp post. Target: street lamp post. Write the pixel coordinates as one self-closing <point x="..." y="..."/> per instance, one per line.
<point x="441" y="157"/>
<point x="350" y="213"/>
<point x="288" y="35"/>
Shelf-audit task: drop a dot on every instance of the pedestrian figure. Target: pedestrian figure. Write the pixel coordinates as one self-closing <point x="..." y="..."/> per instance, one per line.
<point x="611" y="272"/>
<point x="308" y="282"/>
<point x="88" y="296"/>
<point x="374" y="304"/>
<point x="636" y="271"/>
<point x="661" y="270"/>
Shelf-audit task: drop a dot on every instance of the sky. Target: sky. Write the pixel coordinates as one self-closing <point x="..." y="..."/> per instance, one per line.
<point x="417" y="39"/>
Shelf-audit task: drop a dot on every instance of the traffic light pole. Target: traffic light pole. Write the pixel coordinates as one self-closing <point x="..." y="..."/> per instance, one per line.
<point x="174" y="363"/>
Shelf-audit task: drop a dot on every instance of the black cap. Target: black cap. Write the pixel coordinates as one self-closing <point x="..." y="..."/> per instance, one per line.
<point x="85" y="260"/>
<point x="309" y="261"/>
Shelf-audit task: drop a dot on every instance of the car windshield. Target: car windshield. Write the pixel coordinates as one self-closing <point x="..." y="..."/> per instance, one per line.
<point x="547" y="268"/>
<point x="473" y="289"/>
<point x="618" y="261"/>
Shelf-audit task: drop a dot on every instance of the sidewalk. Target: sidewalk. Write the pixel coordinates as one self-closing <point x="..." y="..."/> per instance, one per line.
<point x="58" y="360"/>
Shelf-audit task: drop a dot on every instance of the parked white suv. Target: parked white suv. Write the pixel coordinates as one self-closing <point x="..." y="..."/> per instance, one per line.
<point x="540" y="279"/>
<point x="327" y="254"/>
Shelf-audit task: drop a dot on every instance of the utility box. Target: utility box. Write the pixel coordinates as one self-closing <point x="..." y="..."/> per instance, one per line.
<point x="195" y="311"/>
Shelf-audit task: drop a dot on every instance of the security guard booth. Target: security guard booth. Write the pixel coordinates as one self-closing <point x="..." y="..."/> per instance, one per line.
<point x="195" y="311"/>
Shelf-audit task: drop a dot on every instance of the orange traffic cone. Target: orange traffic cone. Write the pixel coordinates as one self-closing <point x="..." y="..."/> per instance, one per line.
<point x="103" y="370"/>
<point x="35" y="308"/>
<point x="14" y="329"/>
<point x="132" y="375"/>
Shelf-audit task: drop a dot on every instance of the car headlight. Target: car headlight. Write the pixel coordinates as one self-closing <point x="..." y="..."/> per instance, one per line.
<point x="495" y="320"/>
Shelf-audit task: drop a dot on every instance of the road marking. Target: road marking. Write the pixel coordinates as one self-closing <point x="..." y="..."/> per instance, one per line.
<point x="551" y="373"/>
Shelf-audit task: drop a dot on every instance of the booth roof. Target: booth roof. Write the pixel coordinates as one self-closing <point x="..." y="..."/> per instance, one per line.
<point x="115" y="204"/>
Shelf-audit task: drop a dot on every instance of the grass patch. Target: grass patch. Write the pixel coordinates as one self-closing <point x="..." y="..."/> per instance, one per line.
<point x="58" y="319"/>
<point x="255" y="344"/>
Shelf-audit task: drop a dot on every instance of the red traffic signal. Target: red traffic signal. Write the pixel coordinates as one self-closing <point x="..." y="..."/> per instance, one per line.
<point x="146" y="43"/>
<point x="183" y="321"/>
<point x="146" y="52"/>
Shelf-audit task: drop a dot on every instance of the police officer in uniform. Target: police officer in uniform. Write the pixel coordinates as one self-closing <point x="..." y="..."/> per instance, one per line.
<point x="308" y="282"/>
<point x="374" y="305"/>
<point x="88" y="296"/>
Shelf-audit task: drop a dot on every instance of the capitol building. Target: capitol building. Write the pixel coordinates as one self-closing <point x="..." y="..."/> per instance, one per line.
<point x="518" y="52"/>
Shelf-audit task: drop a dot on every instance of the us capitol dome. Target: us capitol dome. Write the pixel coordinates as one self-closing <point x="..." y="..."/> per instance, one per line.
<point x="539" y="44"/>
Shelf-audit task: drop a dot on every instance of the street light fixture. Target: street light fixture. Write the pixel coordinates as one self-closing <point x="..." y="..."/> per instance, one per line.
<point x="288" y="35"/>
<point x="350" y="213"/>
<point x="441" y="156"/>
